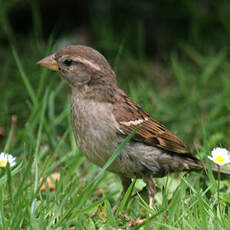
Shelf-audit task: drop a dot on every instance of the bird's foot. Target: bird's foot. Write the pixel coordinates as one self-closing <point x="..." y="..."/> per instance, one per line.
<point x="132" y="222"/>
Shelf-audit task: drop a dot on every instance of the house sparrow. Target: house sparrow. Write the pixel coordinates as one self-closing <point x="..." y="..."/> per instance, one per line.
<point x="103" y="115"/>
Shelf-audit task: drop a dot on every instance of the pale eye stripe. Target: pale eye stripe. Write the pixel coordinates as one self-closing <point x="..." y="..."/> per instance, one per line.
<point x="136" y="122"/>
<point x="87" y="62"/>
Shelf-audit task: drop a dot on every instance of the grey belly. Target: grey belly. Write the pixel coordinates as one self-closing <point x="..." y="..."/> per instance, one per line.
<point x="136" y="160"/>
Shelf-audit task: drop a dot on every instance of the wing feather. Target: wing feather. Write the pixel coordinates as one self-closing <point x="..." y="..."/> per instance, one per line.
<point x="129" y="115"/>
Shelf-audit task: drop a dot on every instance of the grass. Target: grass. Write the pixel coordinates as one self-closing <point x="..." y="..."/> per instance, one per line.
<point x="189" y="94"/>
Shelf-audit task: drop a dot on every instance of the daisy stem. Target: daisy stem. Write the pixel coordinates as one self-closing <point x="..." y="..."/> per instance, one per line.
<point x="9" y="183"/>
<point x="218" y="187"/>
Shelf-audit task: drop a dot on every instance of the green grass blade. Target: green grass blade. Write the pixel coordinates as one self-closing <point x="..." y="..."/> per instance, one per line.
<point x="25" y="78"/>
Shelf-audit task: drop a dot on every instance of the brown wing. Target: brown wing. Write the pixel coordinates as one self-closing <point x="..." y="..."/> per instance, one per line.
<point x="129" y="115"/>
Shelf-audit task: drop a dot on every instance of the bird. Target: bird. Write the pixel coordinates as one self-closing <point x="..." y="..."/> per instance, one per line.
<point x="103" y="115"/>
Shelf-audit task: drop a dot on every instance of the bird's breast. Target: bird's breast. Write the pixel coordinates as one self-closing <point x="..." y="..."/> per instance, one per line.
<point x="94" y="129"/>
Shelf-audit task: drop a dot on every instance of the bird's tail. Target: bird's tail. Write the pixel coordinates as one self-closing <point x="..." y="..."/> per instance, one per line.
<point x="199" y="165"/>
<point x="224" y="173"/>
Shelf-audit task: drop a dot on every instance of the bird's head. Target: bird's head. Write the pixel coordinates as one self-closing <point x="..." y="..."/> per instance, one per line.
<point x="79" y="66"/>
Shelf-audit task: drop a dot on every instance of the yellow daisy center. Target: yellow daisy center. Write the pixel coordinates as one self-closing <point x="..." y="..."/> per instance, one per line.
<point x="3" y="163"/>
<point x="219" y="159"/>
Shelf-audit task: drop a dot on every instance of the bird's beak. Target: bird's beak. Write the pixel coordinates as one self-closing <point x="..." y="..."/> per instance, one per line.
<point x="49" y="62"/>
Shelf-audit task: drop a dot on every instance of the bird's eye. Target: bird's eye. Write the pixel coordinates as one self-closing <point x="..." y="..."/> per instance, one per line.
<point x="68" y="62"/>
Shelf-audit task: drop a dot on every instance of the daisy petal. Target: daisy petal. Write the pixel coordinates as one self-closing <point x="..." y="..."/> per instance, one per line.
<point x="7" y="158"/>
<point x="220" y="156"/>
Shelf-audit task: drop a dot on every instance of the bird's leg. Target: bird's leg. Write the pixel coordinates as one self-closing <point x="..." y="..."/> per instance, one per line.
<point x="151" y="191"/>
<point x="125" y="182"/>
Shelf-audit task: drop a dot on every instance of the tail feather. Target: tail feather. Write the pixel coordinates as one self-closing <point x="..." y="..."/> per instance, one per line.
<point x="224" y="173"/>
<point x="221" y="170"/>
<point x="198" y="165"/>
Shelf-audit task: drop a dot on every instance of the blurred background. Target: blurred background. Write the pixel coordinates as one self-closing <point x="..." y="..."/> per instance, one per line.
<point x="171" y="56"/>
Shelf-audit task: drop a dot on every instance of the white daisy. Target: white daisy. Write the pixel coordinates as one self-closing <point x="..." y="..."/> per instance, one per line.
<point x="220" y="156"/>
<point x="4" y="158"/>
